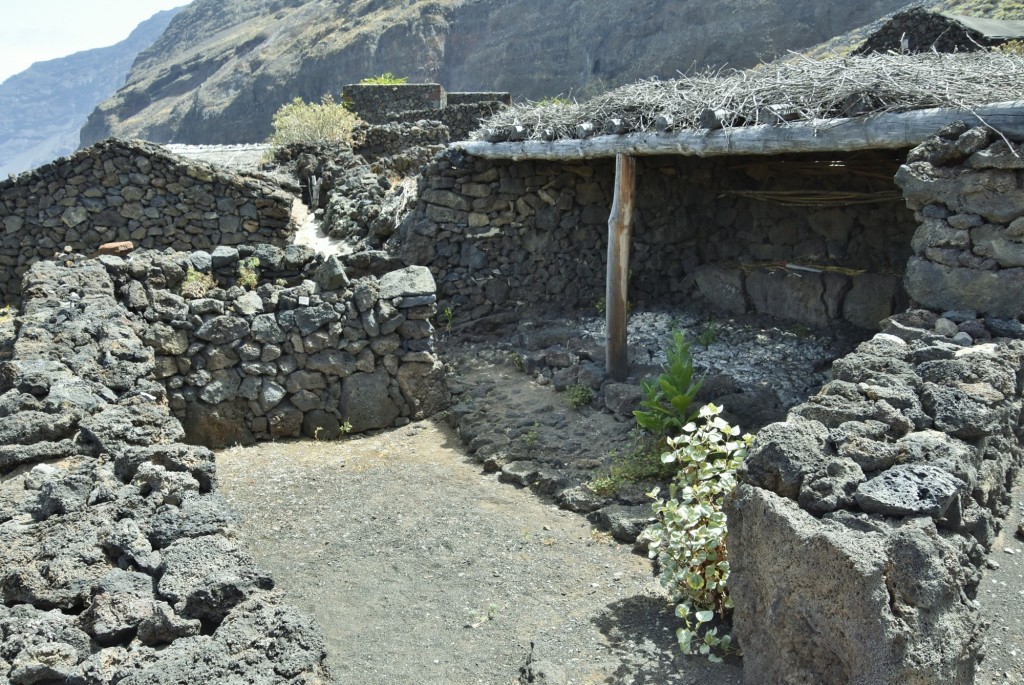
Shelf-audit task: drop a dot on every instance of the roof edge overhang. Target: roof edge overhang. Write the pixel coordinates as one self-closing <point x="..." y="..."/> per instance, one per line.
<point x="893" y="130"/>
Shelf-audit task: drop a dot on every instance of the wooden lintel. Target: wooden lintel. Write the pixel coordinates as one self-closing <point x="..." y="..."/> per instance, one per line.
<point x="870" y="132"/>
<point x="620" y="235"/>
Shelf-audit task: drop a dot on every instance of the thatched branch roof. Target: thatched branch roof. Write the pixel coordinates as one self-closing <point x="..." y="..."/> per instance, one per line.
<point x="782" y="94"/>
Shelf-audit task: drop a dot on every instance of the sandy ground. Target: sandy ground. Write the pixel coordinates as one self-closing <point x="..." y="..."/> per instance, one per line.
<point x="423" y="569"/>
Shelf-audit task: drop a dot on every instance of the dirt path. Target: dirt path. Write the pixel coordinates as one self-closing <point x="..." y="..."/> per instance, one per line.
<point x="423" y="569"/>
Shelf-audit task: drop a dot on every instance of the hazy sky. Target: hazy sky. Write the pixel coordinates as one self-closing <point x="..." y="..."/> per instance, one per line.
<point x="36" y="30"/>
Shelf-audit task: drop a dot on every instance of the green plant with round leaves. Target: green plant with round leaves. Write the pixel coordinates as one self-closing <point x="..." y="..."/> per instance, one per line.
<point x="689" y="538"/>
<point x="665" y="408"/>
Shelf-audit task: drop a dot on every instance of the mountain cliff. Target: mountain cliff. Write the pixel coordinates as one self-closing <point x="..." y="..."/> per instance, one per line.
<point x="223" y="67"/>
<point x="43" y="108"/>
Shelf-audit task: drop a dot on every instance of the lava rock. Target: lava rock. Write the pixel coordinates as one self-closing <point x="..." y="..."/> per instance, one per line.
<point x="909" y="490"/>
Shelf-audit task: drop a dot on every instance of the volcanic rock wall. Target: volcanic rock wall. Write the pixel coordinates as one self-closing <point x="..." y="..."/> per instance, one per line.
<point x="118" y="559"/>
<point x="499" y="232"/>
<point x="129" y="190"/>
<point x="460" y="112"/>
<point x="969" y="249"/>
<point x="374" y="103"/>
<point x="889" y="482"/>
<point x="892" y="479"/>
<point x="301" y="351"/>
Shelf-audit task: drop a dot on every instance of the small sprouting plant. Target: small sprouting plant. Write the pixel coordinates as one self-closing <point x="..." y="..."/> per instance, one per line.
<point x="385" y="79"/>
<point x="197" y="283"/>
<point x="345" y="428"/>
<point x="605" y="486"/>
<point x="531" y="437"/>
<point x="248" y="272"/>
<point x="477" y="617"/>
<point x="449" y="318"/>
<point x="555" y="101"/>
<point x="579" y="395"/>
<point x="802" y="331"/>
<point x="641" y="462"/>
<point x="689" y="538"/>
<point x="517" y="360"/>
<point x="709" y="334"/>
<point x="667" y="399"/>
<point x="600" y="305"/>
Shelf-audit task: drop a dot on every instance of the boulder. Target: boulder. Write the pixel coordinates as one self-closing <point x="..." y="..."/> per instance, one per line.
<point x="366" y="403"/>
<point x="411" y="281"/>
<point x="850" y="603"/>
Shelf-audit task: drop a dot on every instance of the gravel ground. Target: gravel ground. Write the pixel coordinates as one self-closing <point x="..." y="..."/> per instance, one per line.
<point x="1001" y="595"/>
<point x="423" y="569"/>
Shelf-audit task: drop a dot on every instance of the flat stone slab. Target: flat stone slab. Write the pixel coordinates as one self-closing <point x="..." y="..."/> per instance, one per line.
<point x="409" y="282"/>
<point x="909" y="490"/>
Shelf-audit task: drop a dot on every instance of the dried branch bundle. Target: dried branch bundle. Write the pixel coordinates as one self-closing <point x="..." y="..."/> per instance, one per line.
<point x="800" y="89"/>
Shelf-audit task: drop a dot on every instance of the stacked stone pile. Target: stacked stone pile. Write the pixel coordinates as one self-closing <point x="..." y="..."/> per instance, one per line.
<point x="366" y="208"/>
<point x="969" y="248"/>
<point x="923" y="31"/>
<point x="382" y="141"/>
<point x="129" y="190"/>
<point x="886" y="487"/>
<point x="118" y="561"/>
<point x="460" y="119"/>
<point x="303" y="353"/>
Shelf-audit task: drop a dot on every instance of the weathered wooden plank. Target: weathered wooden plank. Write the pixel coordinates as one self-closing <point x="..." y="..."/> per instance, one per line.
<point x="871" y="132"/>
<point x="620" y="235"/>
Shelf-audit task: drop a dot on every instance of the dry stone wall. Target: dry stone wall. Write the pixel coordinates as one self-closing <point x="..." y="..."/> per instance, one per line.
<point x="890" y="482"/>
<point x="496" y="233"/>
<point x="118" y="558"/>
<point x="410" y="103"/>
<point x="461" y="119"/>
<point x="120" y="191"/>
<point x="375" y="103"/>
<point x="302" y="351"/>
<point x="969" y="249"/>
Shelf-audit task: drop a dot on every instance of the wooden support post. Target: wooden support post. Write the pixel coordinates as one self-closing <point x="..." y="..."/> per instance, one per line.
<point x="620" y="236"/>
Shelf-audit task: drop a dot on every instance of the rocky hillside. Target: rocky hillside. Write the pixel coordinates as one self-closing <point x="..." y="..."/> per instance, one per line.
<point x="224" y="66"/>
<point x="845" y="43"/>
<point x="43" y="108"/>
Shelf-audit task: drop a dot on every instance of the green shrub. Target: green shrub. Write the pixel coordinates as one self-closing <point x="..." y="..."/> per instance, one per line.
<point x="709" y="334"/>
<point x="579" y="395"/>
<point x="248" y="273"/>
<point x="667" y="399"/>
<point x="689" y="538"/>
<point x="313" y="124"/>
<point x="196" y="284"/>
<point x="385" y="79"/>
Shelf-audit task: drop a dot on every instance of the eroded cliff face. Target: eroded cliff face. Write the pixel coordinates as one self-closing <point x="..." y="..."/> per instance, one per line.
<point x="224" y="66"/>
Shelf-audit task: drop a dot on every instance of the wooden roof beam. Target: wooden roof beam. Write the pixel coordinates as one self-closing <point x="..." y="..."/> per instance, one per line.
<point x="870" y="132"/>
